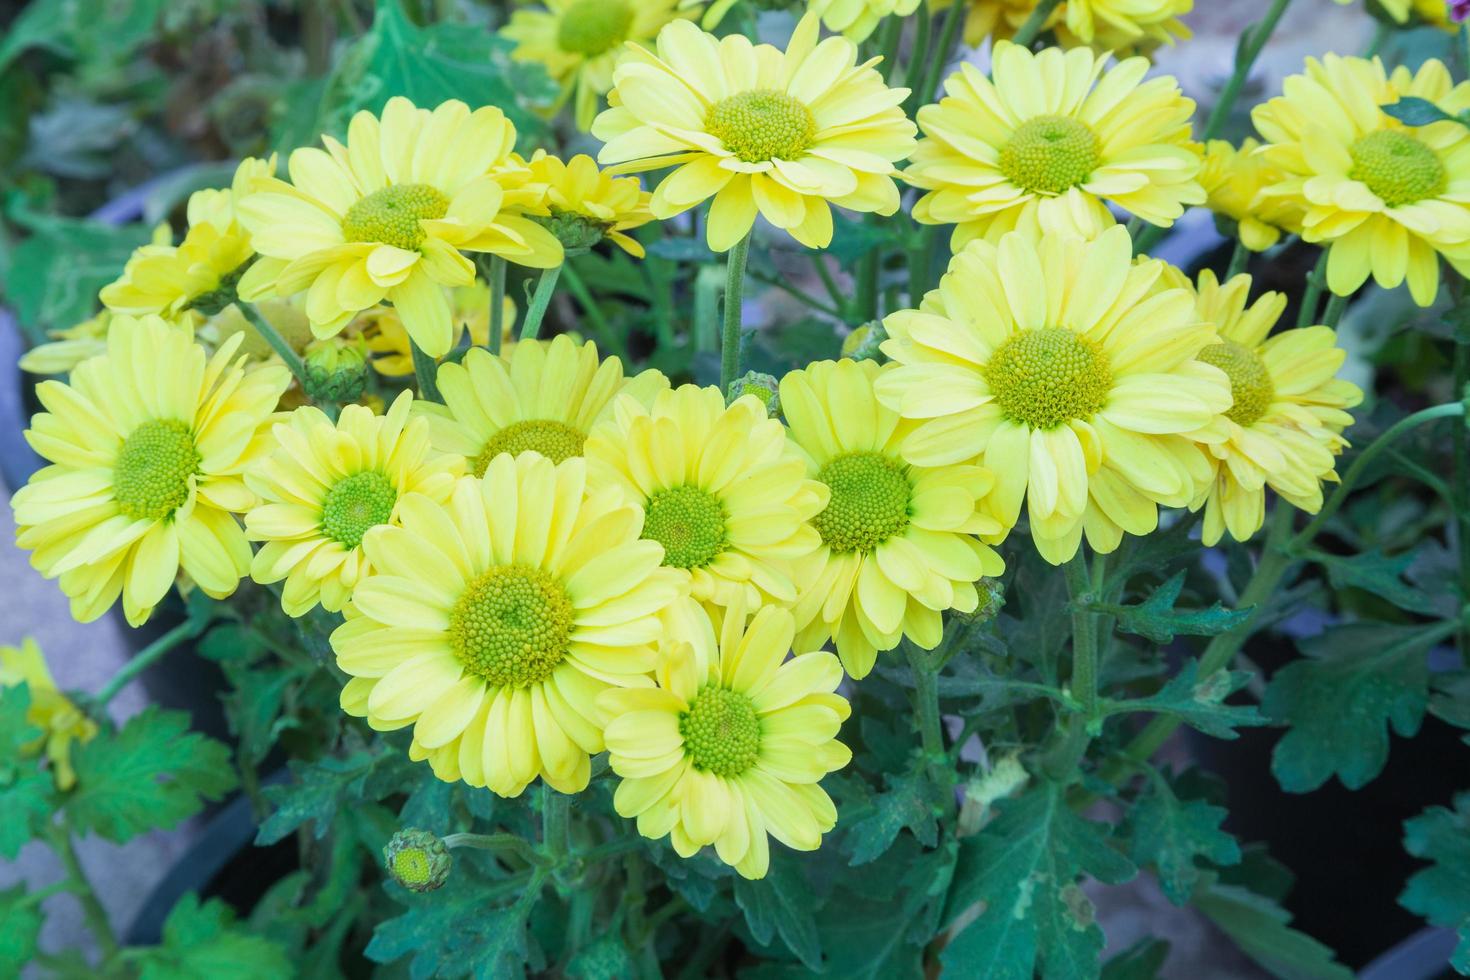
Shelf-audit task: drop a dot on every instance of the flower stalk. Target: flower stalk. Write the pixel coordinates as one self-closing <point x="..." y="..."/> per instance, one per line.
<point x="734" y="292"/>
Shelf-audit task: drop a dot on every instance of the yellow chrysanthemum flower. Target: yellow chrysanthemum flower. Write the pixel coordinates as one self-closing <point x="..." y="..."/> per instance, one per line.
<point x="996" y="19"/>
<point x="1233" y="180"/>
<point x="1383" y="197"/>
<point x="583" y="205"/>
<point x="492" y="623"/>
<point x="1060" y="368"/>
<point x="580" y="42"/>
<point x="325" y="485"/>
<point x="387" y="338"/>
<point x="1282" y="430"/>
<point x="147" y="444"/>
<point x="733" y="743"/>
<point x="201" y="272"/>
<point x="60" y="721"/>
<point x="897" y="540"/>
<point x="785" y="135"/>
<point x="1402" y="12"/>
<point x="720" y="488"/>
<point x="1122" y="24"/>
<point x="389" y="215"/>
<point x="1045" y="142"/>
<point x="546" y="398"/>
<point x="857" y="18"/>
<point x="69" y="347"/>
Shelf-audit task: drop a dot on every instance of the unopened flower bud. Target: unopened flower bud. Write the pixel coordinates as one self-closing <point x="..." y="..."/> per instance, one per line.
<point x="336" y="369"/>
<point x="992" y="599"/>
<point x="417" y="860"/>
<point x="576" y="232"/>
<point x="761" y="386"/>
<point x="862" y="344"/>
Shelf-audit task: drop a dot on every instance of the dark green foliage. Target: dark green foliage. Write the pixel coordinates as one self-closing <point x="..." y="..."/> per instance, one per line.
<point x="203" y="940"/>
<point x="1158" y="620"/>
<point x="781" y="905"/>
<point x="1201" y="703"/>
<point x="1172" y="834"/>
<point x="20" y="924"/>
<point x="1441" y="892"/>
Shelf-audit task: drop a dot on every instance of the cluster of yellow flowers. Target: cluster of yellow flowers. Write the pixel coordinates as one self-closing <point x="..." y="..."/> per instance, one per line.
<point x="560" y="558"/>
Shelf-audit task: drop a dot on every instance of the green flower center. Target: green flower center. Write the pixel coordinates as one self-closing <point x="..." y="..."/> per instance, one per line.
<point x="590" y="27"/>
<point x="1050" y="154"/>
<point x="721" y="732"/>
<point x="151" y="476"/>
<point x="555" y="441"/>
<point x="392" y="215"/>
<point x="869" y="504"/>
<point x="511" y="626"/>
<point x="689" y="523"/>
<point x="413" y="866"/>
<point x="1250" y="382"/>
<point x="762" y="125"/>
<point x="356" y="503"/>
<point x="1397" y="167"/>
<point x="1049" y="376"/>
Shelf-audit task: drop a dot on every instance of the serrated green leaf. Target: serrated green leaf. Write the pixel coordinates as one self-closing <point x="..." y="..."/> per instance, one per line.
<point x="27" y="802"/>
<point x="1262" y="930"/>
<point x="1199" y="704"/>
<point x="453" y="932"/>
<point x="781" y="904"/>
<point x="253" y="706"/>
<point x="1156" y="618"/>
<point x="1441" y="892"/>
<point x="315" y="793"/>
<point x="1375" y="572"/>
<point x="1356" y="683"/>
<point x="16" y="732"/>
<point x="151" y="774"/>
<point x="20" y="924"/>
<point x="905" y="803"/>
<point x="1413" y="111"/>
<point x="56" y="272"/>
<point x="1171" y="833"/>
<point x="1023" y="870"/>
<point x="205" y="941"/>
<point x="1141" y="961"/>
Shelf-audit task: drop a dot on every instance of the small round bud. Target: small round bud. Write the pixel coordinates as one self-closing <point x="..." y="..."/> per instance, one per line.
<point x="576" y="232"/>
<point x="862" y="344"/>
<point x="336" y="369"/>
<point x="762" y="386"/>
<point x="992" y="599"/>
<point x="417" y="860"/>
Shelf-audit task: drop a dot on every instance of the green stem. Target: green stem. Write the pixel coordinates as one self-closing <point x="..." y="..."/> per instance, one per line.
<point x="496" y="276"/>
<point x="839" y="300"/>
<point x="1306" y="315"/>
<point x="59" y="836"/>
<point x="278" y="343"/>
<point x="1335" y="305"/>
<point x="1062" y="759"/>
<point x="865" y="301"/>
<point x="1255" y="40"/>
<point x="540" y="300"/>
<point x="556" y="824"/>
<point x="607" y="337"/>
<point x="1377" y="446"/>
<point x="500" y="843"/>
<point x="734" y="292"/>
<point x="926" y="699"/>
<point x="888" y="47"/>
<point x="1035" y="23"/>
<point x="144" y="659"/>
<point x="918" y="58"/>
<point x="425" y="372"/>
<point x="953" y="18"/>
<point x="1240" y="257"/>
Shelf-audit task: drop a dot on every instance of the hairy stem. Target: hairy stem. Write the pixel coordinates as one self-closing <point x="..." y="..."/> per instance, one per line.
<point x="144" y="659"/>
<point x="495" y="273"/>
<point x="1316" y="280"/>
<point x="278" y="343"/>
<point x="59" y="837"/>
<point x="540" y="300"/>
<point x="734" y="293"/>
<point x="1035" y="23"/>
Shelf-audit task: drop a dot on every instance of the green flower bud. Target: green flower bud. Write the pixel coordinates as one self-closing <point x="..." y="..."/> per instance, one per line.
<point x="762" y="386"/>
<point x="336" y="369"/>
<point x="992" y="599"/>
<point x="417" y="860"/>
<point x="576" y="232"/>
<point x="862" y="343"/>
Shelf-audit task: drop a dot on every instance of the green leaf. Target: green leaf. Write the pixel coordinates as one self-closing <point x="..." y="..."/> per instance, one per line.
<point x="16" y="733"/>
<point x="315" y="793"/>
<point x="254" y="704"/>
<point x="1141" y="961"/>
<point x="1373" y="571"/>
<point x="1157" y="619"/>
<point x="454" y="932"/>
<point x="1171" y="833"/>
<point x="1262" y="930"/>
<point x="20" y="924"/>
<point x="1441" y="892"/>
<point x="1024" y="867"/>
<point x="605" y="959"/>
<point x="151" y="774"/>
<point x="1413" y="111"/>
<point x="205" y="941"/>
<point x="55" y="274"/>
<point x="1201" y="704"/>
<point x="781" y="903"/>
<point x="27" y="801"/>
<point x="905" y="803"/>
<point x="1356" y="683"/>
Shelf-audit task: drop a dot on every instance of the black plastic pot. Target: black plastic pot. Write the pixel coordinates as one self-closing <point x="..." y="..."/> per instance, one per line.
<point x="1423" y="956"/>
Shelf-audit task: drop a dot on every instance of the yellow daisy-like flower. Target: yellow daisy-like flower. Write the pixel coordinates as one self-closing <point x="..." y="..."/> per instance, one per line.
<point x="325" y="485"/>
<point x="389" y="215"/>
<point x="60" y="721"/>
<point x="996" y="19"/>
<point x="387" y="338"/>
<point x="1386" y="199"/>
<point x="1045" y="142"/>
<point x="785" y="135"/>
<point x="1059" y="367"/>
<point x="492" y="623"/>
<point x="580" y="42"/>
<point x="69" y="347"/>
<point x="1233" y="180"/>
<point x="147" y="443"/>
<point x="720" y="489"/>
<point x="733" y="743"/>
<point x="201" y="272"/>
<point x="546" y="399"/>
<point x="1118" y="24"/>
<point x="583" y="205"/>
<point x="898" y="545"/>
<point x="1402" y="12"/>
<point x="857" y="18"/>
<point x="1282" y="430"/>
